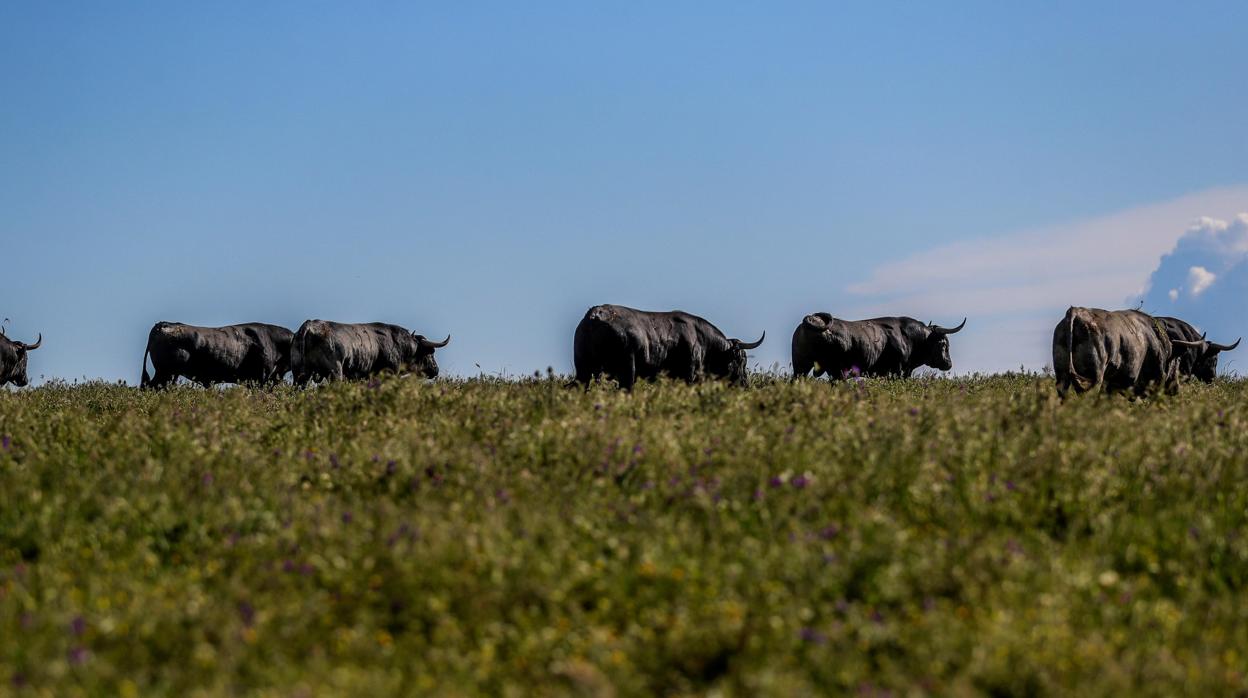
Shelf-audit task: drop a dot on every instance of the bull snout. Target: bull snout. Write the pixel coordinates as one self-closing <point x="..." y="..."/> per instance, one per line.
<point x="431" y="368"/>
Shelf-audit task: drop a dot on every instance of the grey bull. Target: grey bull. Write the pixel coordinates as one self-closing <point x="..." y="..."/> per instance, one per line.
<point x="1117" y="350"/>
<point x="252" y="352"/>
<point x="325" y="350"/>
<point x="627" y="344"/>
<point x="13" y="359"/>
<point x="883" y="346"/>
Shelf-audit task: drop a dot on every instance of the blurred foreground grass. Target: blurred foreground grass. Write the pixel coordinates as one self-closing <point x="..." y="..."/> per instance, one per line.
<point x="955" y="537"/>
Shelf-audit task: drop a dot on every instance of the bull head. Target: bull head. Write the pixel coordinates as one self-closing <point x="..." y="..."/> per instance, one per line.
<point x="736" y="359"/>
<point x="938" y="345"/>
<point x="1205" y="366"/>
<point x="423" y="360"/>
<point x="17" y="374"/>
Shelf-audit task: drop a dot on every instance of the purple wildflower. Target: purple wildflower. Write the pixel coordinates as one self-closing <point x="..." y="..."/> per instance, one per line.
<point x="876" y="616"/>
<point x="813" y="636"/>
<point x="829" y="532"/>
<point x="4" y="442"/>
<point x="800" y="482"/>
<point x="78" y="626"/>
<point x="19" y="680"/>
<point x="637" y="449"/>
<point x="246" y="613"/>
<point x="914" y="411"/>
<point x="333" y="460"/>
<point x="776" y="481"/>
<point x="288" y="566"/>
<point x="79" y="655"/>
<point x="206" y="479"/>
<point x="347" y="517"/>
<point x="1009" y="485"/>
<point x="391" y="466"/>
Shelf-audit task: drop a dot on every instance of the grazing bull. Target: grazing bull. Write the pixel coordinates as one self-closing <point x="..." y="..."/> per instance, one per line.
<point x="13" y="359"/>
<point x="627" y="344"/>
<point x="325" y="350"/>
<point x="249" y="353"/>
<point x="1118" y="349"/>
<point x="1194" y="355"/>
<point x="885" y="346"/>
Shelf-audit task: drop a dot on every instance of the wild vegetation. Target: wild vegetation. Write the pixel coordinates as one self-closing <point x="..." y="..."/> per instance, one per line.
<point x="482" y="537"/>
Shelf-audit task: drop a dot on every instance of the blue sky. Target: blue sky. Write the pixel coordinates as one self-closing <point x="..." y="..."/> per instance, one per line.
<point x="490" y="170"/>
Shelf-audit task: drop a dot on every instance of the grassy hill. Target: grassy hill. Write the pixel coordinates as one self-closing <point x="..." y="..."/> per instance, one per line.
<point x="484" y="537"/>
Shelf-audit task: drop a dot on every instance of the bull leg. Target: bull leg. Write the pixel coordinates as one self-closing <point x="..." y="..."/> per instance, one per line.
<point x="160" y="380"/>
<point x="691" y="373"/>
<point x="801" y="367"/>
<point x="628" y="373"/>
<point x="585" y="375"/>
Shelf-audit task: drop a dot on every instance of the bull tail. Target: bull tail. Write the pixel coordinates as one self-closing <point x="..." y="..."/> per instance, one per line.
<point x="146" y="380"/>
<point x="1070" y="343"/>
<point x="1070" y="350"/>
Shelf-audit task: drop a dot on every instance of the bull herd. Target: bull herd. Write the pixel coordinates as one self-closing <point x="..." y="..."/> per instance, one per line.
<point x="1117" y="350"/>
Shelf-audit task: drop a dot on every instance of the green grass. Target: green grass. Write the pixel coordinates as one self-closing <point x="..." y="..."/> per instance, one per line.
<point x="955" y="537"/>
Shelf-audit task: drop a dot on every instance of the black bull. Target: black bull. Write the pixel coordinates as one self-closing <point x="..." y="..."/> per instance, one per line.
<point x="627" y="344"/>
<point x="325" y="350"/>
<point x="1118" y="349"/>
<point x="1194" y="355"/>
<point x="13" y="355"/>
<point x="885" y="346"/>
<point x="248" y="353"/>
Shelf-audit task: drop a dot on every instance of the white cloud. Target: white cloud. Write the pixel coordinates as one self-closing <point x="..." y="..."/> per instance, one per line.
<point x="1207" y="273"/>
<point x="1199" y="279"/>
<point x="1031" y="276"/>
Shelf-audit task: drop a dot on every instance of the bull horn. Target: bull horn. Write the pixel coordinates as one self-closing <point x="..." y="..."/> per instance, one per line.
<point x="38" y="343"/>
<point x="435" y="345"/>
<point x="937" y="329"/>
<point x="752" y="345"/>
<point x="1214" y="346"/>
<point x="1187" y="343"/>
